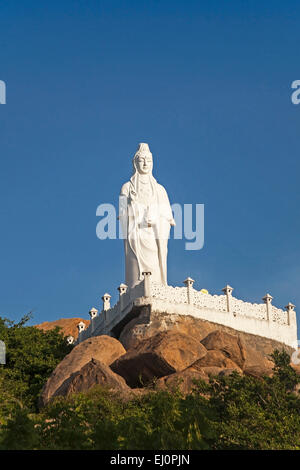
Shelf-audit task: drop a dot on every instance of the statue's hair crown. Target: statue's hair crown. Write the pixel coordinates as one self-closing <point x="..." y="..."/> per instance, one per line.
<point x="143" y="147"/>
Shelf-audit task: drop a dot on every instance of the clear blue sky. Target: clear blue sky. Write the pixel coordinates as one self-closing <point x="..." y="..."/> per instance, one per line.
<point x="206" y="83"/>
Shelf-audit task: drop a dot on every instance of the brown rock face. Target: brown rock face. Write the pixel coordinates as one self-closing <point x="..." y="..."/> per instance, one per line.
<point x="258" y="371"/>
<point x="215" y="358"/>
<point x="184" y="380"/>
<point x="91" y="374"/>
<point x="230" y="345"/>
<point x="227" y="351"/>
<point x="148" y="323"/>
<point x="254" y="357"/>
<point x="157" y="356"/>
<point x="226" y="372"/>
<point x="103" y="348"/>
<point x="211" y="371"/>
<point x="296" y="368"/>
<point x="68" y="325"/>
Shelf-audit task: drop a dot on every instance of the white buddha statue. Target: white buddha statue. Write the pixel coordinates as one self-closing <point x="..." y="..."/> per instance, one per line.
<point x="146" y="217"/>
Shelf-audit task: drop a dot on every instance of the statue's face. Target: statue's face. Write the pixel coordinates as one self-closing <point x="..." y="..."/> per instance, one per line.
<point x="144" y="163"/>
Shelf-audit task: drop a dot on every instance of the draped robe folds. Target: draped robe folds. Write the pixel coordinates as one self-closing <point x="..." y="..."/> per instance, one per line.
<point x="145" y="216"/>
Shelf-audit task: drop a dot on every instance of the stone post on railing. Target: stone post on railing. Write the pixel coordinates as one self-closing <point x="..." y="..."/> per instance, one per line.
<point x="228" y="292"/>
<point x="70" y="339"/>
<point x="291" y="314"/>
<point x="122" y="290"/>
<point x="93" y="314"/>
<point x="106" y="302"/>
<point x="106" y="306"/>
<point x="189" y="285"/>
<point x="147" y="283"/>
<point x="268" y="301"/>
<point x="81" y="328"/>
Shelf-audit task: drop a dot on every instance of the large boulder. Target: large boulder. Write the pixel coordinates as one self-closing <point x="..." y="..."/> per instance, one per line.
<point x="102" y="348"/>
<point x="158" y="356"/>
<point x="212" y="371"/>
<point x="258" y="371"/>
<point x="251" y="360"/>
<point x="257" y="365"/>
<point x="230" y="345"/>
<point x="215" y="358"/>
<point x="91" y="374"/>
<point x="184" y="380"/>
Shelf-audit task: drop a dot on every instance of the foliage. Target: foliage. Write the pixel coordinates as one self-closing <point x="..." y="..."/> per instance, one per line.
<point x="19" y="432"/>
<point x="31" y="356"/>
<point x="102" y="420"/>
<point x="258" y="413"/>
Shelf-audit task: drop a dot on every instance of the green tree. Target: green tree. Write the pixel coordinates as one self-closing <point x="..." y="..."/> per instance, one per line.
<point x="31" y="356"/>
<point x="102" y="420"/>
<point x="257" y="413"/>
<point x="19" y="432"/>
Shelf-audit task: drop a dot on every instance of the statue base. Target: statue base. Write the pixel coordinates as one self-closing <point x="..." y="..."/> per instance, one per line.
<point x="264" y="319"/>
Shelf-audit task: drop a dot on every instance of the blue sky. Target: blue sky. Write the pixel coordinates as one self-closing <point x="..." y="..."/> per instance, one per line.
<point x="206" y="84"/>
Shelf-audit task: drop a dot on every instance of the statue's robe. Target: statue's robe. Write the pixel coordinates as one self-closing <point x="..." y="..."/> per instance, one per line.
<point x="145" y="216"/>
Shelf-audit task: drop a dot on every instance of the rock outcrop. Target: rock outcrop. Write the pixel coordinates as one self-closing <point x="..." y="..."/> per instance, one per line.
<point x="231" y="346"/>
<point x="91" y="374"/>
<point x="259" y="371"/>
<point x="67" y="325"/>
<point x="184" y="380"/>
<point x="215" y="358"/>
<point x="102" y="348"/>
<point x="158" y="356"/>
<point x="148" y="323"/>
<point x="168" y="351"/>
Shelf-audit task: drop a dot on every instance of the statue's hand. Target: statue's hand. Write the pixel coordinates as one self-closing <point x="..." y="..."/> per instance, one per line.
<point x="145" y="224"/>
<point x="150" y="221"/>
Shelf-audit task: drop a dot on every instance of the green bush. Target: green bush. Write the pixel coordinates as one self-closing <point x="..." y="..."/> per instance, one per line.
<point x="31" y="356"/>
<point x="102" y="420"/>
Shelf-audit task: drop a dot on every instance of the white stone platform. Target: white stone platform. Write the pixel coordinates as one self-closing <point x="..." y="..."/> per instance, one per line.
<point x="259" y="319"/>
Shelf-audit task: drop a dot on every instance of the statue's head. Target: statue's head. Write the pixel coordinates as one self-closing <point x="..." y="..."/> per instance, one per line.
<point x="142" y="160"/>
